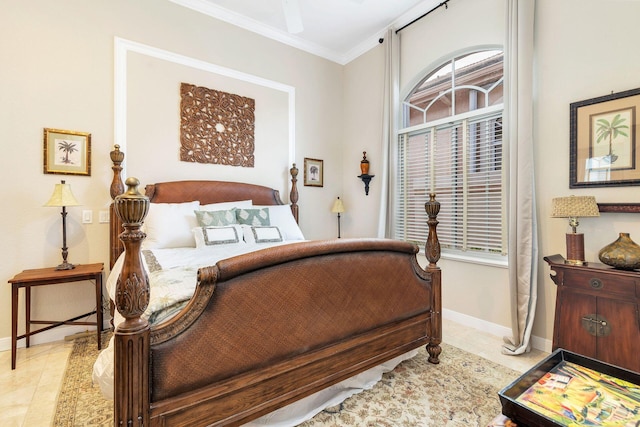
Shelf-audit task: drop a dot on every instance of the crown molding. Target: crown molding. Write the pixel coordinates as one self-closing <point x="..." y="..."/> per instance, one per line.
<point x="207" y="8"/>
<point x="254" y="26"/>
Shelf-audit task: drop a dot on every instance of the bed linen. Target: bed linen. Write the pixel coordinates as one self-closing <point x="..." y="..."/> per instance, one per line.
<point x="172" y="274"/>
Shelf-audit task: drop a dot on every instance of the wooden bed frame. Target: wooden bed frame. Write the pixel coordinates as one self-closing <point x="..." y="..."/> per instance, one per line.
<point x="267" y="328"/>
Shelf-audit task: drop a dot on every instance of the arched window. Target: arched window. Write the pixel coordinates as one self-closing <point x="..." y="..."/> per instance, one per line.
<point x="451" y="144"/>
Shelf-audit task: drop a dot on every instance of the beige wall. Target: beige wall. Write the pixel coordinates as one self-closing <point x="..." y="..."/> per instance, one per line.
<point x="57" y="70"/>
<point x="584" y="49"/>
<point x="579" y="54"/>
<point x="470" y="290"/>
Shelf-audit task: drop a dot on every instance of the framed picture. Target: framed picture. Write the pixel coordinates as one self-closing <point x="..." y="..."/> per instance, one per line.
<point x="67" y="152"/>
<point x="604" y="141"/>
<point x="313" y="172"/>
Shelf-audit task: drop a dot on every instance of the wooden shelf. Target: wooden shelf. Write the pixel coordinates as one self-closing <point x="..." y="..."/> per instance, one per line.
<point x="619" y="207"/>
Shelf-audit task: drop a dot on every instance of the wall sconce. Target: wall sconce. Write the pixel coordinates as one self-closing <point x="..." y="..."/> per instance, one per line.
<point x="338" y="208"/>
<point x="63" y="197"/>
<point x="364" y="169"/>
<point x="573" y="207"/>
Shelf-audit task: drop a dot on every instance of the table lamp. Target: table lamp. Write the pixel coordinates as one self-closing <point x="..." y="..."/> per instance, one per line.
<point x="574" y="207"/>
<point x="63" y="197"/>
<point x="338" y="208"/>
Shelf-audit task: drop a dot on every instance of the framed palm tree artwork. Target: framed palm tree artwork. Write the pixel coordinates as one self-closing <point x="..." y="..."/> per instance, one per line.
<point x="67" y="152"/>
<point x="604" y="141"/>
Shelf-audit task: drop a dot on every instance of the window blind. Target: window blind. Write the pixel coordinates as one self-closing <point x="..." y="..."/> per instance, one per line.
<point x="461" y="161"/>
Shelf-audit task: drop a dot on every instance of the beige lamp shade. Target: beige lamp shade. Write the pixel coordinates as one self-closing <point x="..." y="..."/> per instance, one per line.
<point x="62" y="196"/>
<point x="574" y="207"/>
<point x="338" y="207"/>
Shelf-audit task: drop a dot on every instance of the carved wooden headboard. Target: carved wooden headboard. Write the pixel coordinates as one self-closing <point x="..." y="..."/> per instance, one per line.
<point x="186" y="191"/>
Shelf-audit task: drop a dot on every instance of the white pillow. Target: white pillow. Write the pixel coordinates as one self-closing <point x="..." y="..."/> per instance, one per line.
<point x="168" y="225"/>
<point x="281" y="216"/>
<point x="215" y="236"/>
<point x="226" y="205"/>
<point x="262" y="234"/>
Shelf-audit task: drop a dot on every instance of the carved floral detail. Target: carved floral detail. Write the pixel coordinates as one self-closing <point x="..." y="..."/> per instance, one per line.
<point x="132" y="295"/>
<point x="216" y="127"/>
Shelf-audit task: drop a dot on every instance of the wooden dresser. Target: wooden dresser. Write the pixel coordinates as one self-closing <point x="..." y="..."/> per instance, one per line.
<point x="597" y="312"/>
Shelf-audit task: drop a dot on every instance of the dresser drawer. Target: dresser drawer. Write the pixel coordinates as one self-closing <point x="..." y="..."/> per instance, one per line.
<point x="600" y="282"/>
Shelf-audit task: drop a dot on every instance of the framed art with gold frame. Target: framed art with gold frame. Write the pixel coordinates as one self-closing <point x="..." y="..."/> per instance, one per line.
<point x="604" y="138"/>
<point x="313" y="172"/>
<point x="67" y="152"/>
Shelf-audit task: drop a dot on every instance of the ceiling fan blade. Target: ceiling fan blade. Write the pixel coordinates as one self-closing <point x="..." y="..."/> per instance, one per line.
<point x="292" y="16"/>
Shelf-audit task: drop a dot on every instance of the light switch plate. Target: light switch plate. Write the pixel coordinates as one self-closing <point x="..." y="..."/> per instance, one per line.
<point x="87" y="217"/>
<point x="104" y="217"/>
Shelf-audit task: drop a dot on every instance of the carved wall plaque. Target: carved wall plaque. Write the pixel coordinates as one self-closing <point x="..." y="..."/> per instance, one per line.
<point x="216" y="127"/>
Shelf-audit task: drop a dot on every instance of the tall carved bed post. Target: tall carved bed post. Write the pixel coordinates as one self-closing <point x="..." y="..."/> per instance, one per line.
<point x="131" y="376"/>
<point x="117" y="188"/>
<point x="293" y="194"/>
<point x="432" y="252"/>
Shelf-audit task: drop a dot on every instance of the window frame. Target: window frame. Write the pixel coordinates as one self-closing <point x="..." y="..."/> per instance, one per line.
<point x="399" y="226"/>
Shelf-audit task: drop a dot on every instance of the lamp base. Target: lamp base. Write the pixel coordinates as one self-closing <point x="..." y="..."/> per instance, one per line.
<point x="575" y="249"/>
<point x="65" y="266"/>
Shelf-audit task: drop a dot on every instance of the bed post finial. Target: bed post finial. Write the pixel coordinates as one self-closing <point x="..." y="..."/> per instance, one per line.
<point x="117" y="157"/>
<point x="293" y="196"/>
<point x="115" y="226"/>
<point x="132" y="295"/>
<point x="132" y="337"/>
<point x="432" y="247"/>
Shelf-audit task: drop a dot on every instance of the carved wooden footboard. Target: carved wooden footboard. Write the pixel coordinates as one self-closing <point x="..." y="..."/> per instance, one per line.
<point x="270" y="327"/>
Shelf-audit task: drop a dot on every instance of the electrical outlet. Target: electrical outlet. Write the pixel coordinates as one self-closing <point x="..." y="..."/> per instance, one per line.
<point x="87" y="217"/>
<point x="104" y="217"/>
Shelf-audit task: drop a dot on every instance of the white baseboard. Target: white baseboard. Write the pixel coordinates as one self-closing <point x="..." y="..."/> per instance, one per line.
<point x="538" y="343"/>
<point x="55" y="334"/>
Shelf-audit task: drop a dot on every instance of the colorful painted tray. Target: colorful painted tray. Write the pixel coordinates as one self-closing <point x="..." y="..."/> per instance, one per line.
<point x="571" y="390"/>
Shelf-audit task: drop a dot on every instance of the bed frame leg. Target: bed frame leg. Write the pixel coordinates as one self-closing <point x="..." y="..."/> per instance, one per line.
<point x="131" y="376"/>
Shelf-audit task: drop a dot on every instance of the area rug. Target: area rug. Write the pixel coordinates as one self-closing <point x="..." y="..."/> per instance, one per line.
<point x="461" y="391"/>
<point x="80" y="403"/>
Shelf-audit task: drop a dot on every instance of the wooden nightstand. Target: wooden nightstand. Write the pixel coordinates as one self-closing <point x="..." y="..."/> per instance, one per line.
<point x="597" y="312"/>
<point x="51" y="276"/>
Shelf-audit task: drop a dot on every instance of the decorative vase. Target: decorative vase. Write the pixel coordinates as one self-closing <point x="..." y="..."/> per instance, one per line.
<point x="623" y="254"/>
<point x="364" y="164"/>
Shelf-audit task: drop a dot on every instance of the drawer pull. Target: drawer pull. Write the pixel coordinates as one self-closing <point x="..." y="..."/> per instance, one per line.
<point x="596" y="283"/>
<point x="596" y="325"/>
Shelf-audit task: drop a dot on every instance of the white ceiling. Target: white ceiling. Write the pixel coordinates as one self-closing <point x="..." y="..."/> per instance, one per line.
<point x="339" y="30"/>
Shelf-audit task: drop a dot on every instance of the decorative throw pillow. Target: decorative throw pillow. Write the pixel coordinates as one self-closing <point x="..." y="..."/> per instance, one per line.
<point x="253" y="216"/>
<point x="216" y="218"/>
<point x="281" y="216"/>
<point x="213" y="236"/>
<point x="261" y="234"/>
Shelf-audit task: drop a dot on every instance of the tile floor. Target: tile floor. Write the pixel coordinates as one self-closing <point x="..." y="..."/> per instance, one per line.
<point x="28" y="394"/>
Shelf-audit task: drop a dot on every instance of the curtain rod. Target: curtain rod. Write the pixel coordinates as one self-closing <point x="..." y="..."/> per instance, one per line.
<point x="444" y="3"/>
